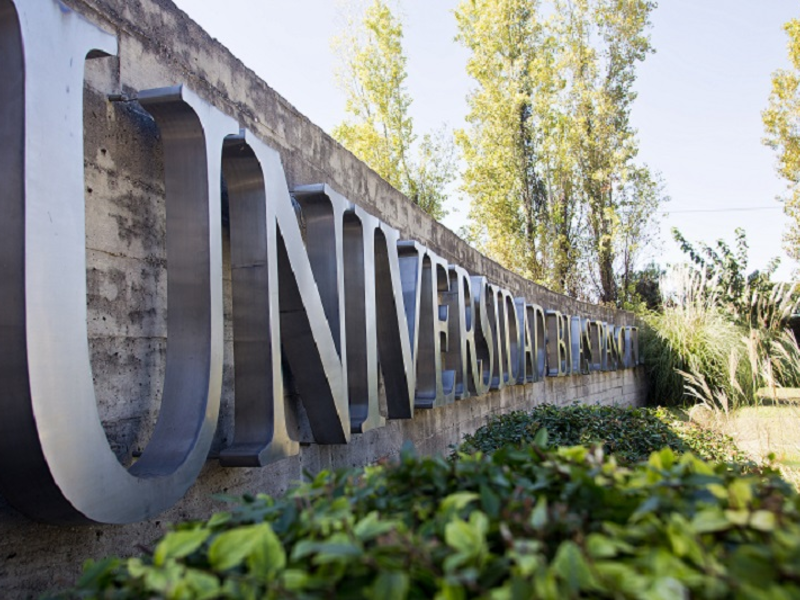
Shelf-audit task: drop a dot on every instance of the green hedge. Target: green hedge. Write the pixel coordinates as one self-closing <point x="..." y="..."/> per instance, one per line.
<point x="520" y="523"/>
<point x="631" y="434"/>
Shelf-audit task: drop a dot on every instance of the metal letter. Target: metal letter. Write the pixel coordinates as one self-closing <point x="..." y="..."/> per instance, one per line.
<point x="435" y="385"/>
<point x="260" y="433"/>
<point x="505" y="340"/>
<point x="361" y="319"/>
<point x="577" y="350"/>
<point x="311" y="284"/>
<point x="484" y="338"/>
<point x="526" y="344"/>
<point x="396" y="349"/>
<point x="597" y="345"/>
<point x="556" y="344"/>
<point x="55" y="461"/>
<point x="462" y="355"/>
<point x="611" y="353"/>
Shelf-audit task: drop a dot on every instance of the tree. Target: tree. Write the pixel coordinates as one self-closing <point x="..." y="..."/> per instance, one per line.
<point x="514" y="216"/>
<point x="782" y="123"/>
<point x="724" y="271"/>
<point x="554" y="192"/>
<point x="379" y="129"/>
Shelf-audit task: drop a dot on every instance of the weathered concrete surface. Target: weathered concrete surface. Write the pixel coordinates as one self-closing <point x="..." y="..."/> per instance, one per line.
<point x="127" y="274"/>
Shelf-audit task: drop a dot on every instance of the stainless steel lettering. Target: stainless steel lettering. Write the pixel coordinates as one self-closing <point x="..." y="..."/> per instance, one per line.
<point x="318" y="284"/>
<point x="396" y="354"/>
<point x="311" y="285"/>
<point x="256" y="187"/>
<point x="361" y="319"/>
<point x="55" y="461"/>
<point x="435" y="385"/>
<point x="556" y="344"/>
<point x="484" y="338"/>
<point x="462" y="355"/>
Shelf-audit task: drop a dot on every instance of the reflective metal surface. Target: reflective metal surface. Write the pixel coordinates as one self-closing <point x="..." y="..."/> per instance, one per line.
<point x="360" y="230"/>
<point x="435" y="385"/>
<point x="318" y="284"/>
<point x="55" y="462"/>
<point x="462" y="354"/>
<point x="396" y="352"/>
<point x="576" y="352"/>
<point x="556" y="344"/>
<point x="611" y="348"/>
<point x="311" y="292"/>
<point x="260" y="433"/>
<point x="484" y="337"/>
<point x="597" y="345"/>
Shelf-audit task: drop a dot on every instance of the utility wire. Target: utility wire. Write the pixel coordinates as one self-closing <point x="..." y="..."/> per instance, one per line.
<point x="716" y="210"/>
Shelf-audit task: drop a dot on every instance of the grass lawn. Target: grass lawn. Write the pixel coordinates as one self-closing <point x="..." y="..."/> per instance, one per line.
<point x="768" y="429"/>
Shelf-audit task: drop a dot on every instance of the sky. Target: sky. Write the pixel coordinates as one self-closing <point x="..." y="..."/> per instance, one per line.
<point x="698" y="111"/>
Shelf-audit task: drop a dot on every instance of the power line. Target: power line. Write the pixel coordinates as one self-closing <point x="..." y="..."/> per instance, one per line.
<point x="718" y="210"/>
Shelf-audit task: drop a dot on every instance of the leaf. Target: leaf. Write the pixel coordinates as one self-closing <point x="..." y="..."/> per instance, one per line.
<point x="391" y="585"/>
<point x="267" y="556"/>
<point x="539" y="514"/>
<point x="229" y="549"/>
<point x="571" y="566"/>
<point x="457" y="501"/>
<point x="541" y="438"/>
<point x="710" y="521"/>
<point x="202" y="586"/>
<point x="740" y="493"/>
<point x="599" y="546"/>
<point x="337" y="548"/>
<point x="461" y="537"/>
<point x="666" y="588"/>
<point x="294" y="580"/>
<point x="371" y="527"/>
<point x="490" y="501"/>
<point x="763" y="520"/>
<point x="217" y="519"/>
<point x="177" y="544"/>
<point x="450" y="591"/>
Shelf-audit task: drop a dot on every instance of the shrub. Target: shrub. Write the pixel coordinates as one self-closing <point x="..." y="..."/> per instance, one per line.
<point x="721" y="334"/>
<point x="519" y="523"/>
<point x="692" y="341"/>
<point x="631" y="434"/>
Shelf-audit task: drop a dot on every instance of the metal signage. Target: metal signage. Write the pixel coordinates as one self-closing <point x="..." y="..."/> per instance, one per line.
<point x="341" y="300"/>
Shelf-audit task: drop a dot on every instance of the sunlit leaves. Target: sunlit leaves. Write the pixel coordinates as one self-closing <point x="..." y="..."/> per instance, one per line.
<point x="565" y="523"/>
<point x="379" y="129"/>
<point x="782" y="124"/>
<point x="554" y="193"/>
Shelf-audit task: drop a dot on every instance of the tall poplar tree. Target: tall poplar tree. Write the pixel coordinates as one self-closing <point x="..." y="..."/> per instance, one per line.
<point x="782" y="123"/>
<point x="549" y="148"/>
<point x="379" y="129"/>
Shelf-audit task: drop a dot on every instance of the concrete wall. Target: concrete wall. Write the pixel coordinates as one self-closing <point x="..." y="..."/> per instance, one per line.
<point x="126" y="277"/>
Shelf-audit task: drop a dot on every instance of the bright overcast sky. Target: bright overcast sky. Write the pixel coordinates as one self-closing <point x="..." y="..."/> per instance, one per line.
<point x="698" y="112"/>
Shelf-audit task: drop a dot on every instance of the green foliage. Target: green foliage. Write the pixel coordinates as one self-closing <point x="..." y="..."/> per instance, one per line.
<point x="380" y="130"/>
<point x="641" y="289"/>
<point x="518" y="523"/>
<point x="722" y="333"/>
<point x="630" y="434"/>
<point x="782" y="124"/>
<point x="549" y="149"/>
<point x="692" y="335"/>
<point x="727" y="284"/>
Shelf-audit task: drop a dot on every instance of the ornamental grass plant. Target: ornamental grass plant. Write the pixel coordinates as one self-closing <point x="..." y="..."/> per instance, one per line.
<point x="720" y="354"/>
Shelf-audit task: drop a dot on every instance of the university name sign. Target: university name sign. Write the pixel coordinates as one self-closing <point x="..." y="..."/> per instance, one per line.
<point x="316" y="281"/>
